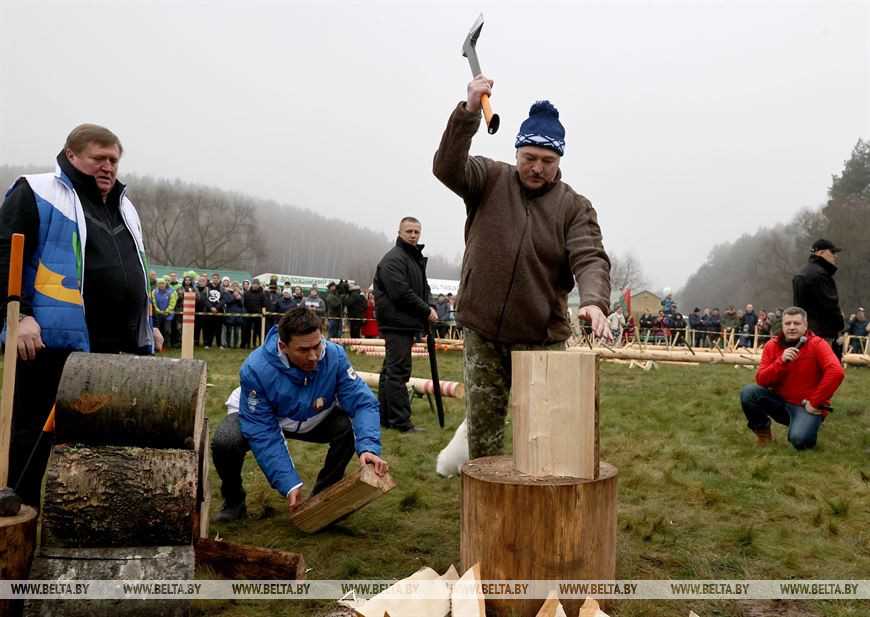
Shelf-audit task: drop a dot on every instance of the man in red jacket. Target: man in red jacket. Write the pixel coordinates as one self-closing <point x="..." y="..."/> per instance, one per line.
<point x="798" y="375"/>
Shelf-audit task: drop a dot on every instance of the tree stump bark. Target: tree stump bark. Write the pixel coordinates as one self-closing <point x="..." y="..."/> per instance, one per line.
<point x="120" y="400"/>
<point x="536" y="528"/>
<point x="140" y="563"/>
<point x="112" y="497"/>
<point x="17" y="539"/>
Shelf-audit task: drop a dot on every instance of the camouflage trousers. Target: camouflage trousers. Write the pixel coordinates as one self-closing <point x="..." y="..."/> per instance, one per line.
<point x="487" y="390"/>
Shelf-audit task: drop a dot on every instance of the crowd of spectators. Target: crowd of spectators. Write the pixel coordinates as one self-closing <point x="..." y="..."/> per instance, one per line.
<point x="230" y="314"/>
<point x="711" y="327"/>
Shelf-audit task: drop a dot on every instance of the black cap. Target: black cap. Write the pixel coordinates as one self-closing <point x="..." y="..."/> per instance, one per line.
<point x="825" y="245"/>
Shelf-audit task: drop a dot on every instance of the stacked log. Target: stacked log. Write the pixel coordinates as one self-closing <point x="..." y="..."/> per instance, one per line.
<point x="441" y="344"/>
<point x="124" y="486"/>
<point x="450" y="389"/>
<point x="139" y="563"/>
<point x="695" y="355"/>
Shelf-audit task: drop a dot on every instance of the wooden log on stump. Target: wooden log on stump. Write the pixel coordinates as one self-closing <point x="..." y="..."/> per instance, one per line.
<point x="139" y="563"/>
<point x="17" y="539"/>
<point x="112" y="497"/>
<point x="536" y="528"/>
<point x="342" y="498"/>
<point x="554" y="403"/>
<point x="237" y="561"/>
<point x="121" y="400"/>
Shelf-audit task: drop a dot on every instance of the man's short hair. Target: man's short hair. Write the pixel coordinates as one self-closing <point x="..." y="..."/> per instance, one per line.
<point x="409" y="219"/>
<point x="795" y="310"/>
<point x="84" y="134"/>
<point x="298" y="321"/>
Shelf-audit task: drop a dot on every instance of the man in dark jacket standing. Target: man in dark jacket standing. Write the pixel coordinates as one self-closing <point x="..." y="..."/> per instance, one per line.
<point x="815" y="291"/>
<point x="528" y="238"/>
<point x="402" y="302"/>
<point x="255" y="302"/>
<point x="334" y="309"/>
<point x="356" y="310"/>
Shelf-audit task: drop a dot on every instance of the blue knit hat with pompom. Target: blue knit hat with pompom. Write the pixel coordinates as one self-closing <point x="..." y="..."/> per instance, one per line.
<point x="542" y="129"/>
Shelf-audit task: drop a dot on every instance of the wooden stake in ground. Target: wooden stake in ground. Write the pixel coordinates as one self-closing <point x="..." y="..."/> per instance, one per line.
<point x="345" y="496"/>
<point x="554" y="403"/>
<point x="187" y="324"/>
<point x="203" y="486"/>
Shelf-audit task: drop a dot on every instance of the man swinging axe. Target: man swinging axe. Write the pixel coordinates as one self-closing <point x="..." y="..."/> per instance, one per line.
<point x="528" y="238"/>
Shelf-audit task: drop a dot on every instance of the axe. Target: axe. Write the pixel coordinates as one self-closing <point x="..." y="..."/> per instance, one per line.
<point x="433" y="366"/>
<point x="10" y="503"/>
<point x="469" y="51"/>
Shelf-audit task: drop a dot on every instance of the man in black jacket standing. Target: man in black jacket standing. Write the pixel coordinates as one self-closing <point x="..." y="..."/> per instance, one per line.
<point x="815" y="291"/>
<point x="402" y="304"/>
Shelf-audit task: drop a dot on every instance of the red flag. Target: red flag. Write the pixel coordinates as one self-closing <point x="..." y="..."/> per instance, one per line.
<point x="626" y="299"/>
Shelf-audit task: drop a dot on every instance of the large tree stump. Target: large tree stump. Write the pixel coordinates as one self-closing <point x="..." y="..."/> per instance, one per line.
<point x="120" y="400"/>
<point x="112" y="496"/>
<point x="17" y="539"/>
<point x="536" y="528"/>
<point x="138" y="564"/>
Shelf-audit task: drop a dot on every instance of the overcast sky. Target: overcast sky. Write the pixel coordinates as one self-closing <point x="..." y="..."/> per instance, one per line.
<point x="687" y="123"/>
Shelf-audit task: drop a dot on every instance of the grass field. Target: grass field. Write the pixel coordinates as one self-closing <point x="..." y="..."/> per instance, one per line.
<point x="697" y="499"/>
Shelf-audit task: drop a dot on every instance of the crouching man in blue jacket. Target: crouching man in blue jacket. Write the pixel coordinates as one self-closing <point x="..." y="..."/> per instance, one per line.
<point x="297" y="385"/>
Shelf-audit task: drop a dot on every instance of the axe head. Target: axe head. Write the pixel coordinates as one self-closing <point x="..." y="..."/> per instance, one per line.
<point x="468" y="47"/>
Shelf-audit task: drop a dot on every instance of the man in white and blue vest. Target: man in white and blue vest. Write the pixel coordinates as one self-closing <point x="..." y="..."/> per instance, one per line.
<point x="84" y="285"/>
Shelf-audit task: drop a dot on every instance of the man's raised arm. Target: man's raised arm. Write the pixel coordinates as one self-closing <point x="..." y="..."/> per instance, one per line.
<point x="464" y="175"/>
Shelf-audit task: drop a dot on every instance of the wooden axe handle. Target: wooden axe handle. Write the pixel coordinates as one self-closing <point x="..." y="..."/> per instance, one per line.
<point x="10" y="356"/>
<point x="492" y="120"/>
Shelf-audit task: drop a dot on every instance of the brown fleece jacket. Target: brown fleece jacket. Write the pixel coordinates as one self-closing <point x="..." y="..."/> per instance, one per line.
<point x="523" y="249"/>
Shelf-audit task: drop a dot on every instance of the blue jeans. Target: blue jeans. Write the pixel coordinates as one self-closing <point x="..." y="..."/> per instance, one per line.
<point x="760" y="405"/>
<point x="334" y="327"/>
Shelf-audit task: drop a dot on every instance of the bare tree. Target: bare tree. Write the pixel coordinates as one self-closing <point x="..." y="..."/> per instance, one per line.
<point x="626" y="272"/>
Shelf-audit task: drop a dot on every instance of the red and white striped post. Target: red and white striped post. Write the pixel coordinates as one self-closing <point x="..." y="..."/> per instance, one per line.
<point x="187" y="317"/>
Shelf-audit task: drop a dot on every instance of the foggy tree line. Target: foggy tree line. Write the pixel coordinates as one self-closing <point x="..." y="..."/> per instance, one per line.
<point x="758" y="267"/>
<point x="211" y="229"/>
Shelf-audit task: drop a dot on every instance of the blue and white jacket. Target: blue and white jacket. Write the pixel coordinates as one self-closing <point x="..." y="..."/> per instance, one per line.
<point x="53" y="277"/>
<point x="277" y="398"/>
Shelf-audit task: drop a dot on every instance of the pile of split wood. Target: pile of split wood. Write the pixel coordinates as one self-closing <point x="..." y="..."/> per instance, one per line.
<point x="447" y="595"/>
<point x="124" y="485"/>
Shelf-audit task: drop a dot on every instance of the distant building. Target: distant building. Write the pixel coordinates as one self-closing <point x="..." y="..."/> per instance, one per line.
<point x="305" y="282"/>
<point x="234" y="275"/>
<point x="645" y="302"/>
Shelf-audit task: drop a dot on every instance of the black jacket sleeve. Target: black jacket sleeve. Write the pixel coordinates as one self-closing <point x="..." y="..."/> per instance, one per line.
<point x="17" y="215"/>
